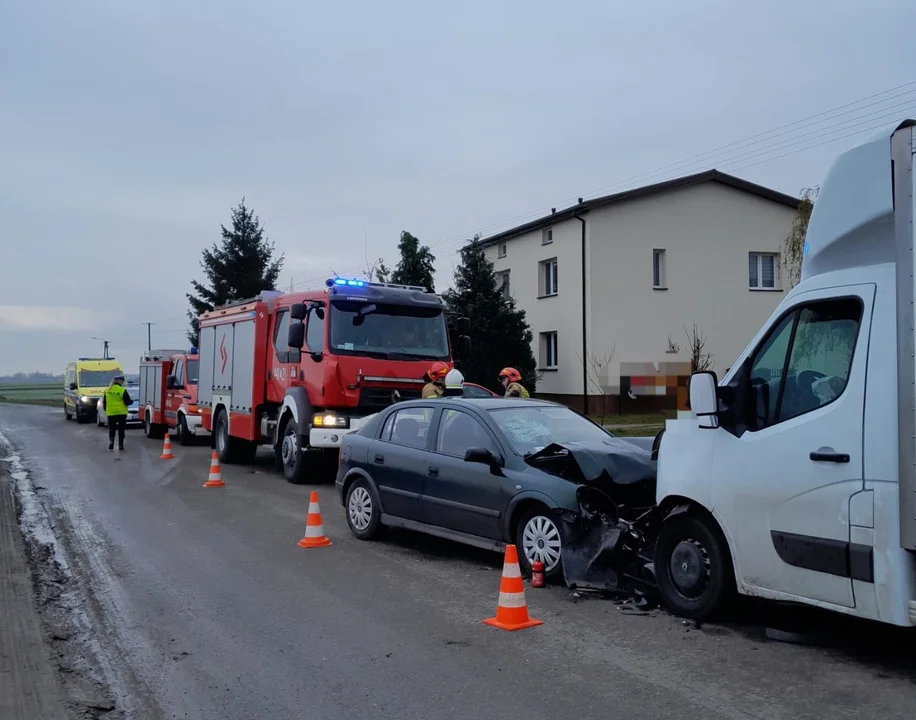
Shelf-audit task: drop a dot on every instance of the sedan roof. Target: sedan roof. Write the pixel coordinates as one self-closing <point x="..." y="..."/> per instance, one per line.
<point x="487" y="403"/>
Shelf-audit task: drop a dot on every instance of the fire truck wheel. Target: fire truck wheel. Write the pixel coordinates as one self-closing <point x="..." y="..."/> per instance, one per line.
<point x="184" y="435"/>
<point x="223" y="440"/>
<point x="151" y="429"/>
<point x="291" y="456"/>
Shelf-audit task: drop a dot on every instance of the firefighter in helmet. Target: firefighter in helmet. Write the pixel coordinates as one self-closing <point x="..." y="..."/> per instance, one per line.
<point x="435" y="381"/>
<point x="454" y="383"/>
<point x="511" y="379"/>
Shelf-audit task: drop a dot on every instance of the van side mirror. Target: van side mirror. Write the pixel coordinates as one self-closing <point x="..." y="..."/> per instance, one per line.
<point x="295" y="337"/>
<point x="298" y="311"/>
<point x="704" y="402"/>
<point x="171" y="382"/>
<point x="464" y="326"/>
<point x="73" y="386"/>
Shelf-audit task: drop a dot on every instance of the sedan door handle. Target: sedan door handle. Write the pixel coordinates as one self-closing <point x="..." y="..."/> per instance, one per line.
<point x="827" y="455"/>
<point x="431" y="470"/>
<point x="380" y="459"/>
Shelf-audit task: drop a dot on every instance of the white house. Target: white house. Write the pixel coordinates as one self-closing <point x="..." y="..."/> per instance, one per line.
<point x="618" y="276"/>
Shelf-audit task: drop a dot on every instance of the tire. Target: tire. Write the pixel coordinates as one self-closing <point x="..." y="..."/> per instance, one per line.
<point x="67" y="416"/>
<point x="364" y="515"/>
<point x="184" y="435"/>
<point x="222" y="439"/>
<point x="151" y="429"/>
<point x="292" y="459"/>
<point x="693" y="567"/>
<point x="80" y="418"/>
<point x="538" y="537"/>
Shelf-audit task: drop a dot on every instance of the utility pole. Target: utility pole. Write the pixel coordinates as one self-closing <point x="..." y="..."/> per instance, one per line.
<point x="104" y="347"/>
<point x="149" y="335"/>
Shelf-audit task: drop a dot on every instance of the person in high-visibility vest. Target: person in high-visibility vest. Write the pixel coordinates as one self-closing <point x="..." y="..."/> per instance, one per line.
<point x="115" y="401"/>
<point x="511" y="379"/>
<point x="435" y="377"/>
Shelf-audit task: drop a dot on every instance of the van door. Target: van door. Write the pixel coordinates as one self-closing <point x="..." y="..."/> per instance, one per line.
<point x="784" y="481"/>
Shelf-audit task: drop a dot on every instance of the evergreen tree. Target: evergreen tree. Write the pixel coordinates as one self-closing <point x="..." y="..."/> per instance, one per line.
<point x="240" y="267"/>
<point x="500" y="333"/>
<point x="416" y="266"/>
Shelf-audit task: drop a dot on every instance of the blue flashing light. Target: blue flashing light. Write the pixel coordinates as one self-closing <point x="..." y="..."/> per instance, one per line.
<point x="192" y="351"/>
<point x="348" y="282"/>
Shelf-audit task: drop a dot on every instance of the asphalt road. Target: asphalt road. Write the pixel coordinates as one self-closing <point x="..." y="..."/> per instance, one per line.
<point x="199" y="604"/>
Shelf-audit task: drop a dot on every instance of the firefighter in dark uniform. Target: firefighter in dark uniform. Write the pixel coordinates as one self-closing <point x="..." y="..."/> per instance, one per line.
<point x="435" y="377"/>
<point x="511" y="379"/>
<point x="115" y="401"/>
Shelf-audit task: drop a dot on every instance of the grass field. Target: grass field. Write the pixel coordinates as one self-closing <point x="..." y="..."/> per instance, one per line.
<point x="33" y="393"/>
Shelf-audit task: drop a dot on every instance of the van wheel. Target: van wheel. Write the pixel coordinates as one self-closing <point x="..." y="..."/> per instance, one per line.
<point x="66" y="412"/>
<point x="693" y="567"/>
<point x="80" y="418"/>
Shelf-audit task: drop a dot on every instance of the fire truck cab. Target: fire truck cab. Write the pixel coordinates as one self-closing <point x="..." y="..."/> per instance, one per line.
<point x="298" y="371"/>
<point x="168" y="394"/>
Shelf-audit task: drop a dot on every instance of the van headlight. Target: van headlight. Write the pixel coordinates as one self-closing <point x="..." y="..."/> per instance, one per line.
<point x="84" y="399"/>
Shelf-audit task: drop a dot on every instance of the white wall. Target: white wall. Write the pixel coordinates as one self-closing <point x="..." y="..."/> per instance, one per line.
<point x="563" y="312"/>
<point x="706" y="230"/>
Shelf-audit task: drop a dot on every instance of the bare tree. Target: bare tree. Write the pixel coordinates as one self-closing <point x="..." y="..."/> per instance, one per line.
<point x="794" y="243"/>
<point x="673" y="347"/>
<point x="700" y="359"/>
<point x="596" y="369"/>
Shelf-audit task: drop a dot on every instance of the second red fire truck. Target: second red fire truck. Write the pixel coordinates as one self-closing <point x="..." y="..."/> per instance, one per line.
<point x="168" y="394"/>
<point x="298" y="371"/>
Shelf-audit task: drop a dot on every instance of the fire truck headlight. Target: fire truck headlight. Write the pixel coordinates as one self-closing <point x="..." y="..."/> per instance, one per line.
<point x="329" y="420"/>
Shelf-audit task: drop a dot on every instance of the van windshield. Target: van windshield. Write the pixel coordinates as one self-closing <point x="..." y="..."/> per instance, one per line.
<point x="393" y="332"/>
<point x="97" y="378"/>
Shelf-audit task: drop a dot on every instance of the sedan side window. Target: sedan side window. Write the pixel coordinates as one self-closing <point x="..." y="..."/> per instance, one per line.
<point x="458" y="431"/>
<point x="409" y="427"/>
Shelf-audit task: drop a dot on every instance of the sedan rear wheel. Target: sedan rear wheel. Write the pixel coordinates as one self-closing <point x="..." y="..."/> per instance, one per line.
<point x="538" y="539"/>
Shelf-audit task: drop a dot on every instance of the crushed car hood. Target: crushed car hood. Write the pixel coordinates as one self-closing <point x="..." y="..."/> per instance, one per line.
<point x="608" y="544"/>
<point x="613" y="460"/>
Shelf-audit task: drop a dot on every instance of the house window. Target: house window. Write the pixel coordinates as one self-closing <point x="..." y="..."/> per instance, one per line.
<point x="547" y="236"/>
<point x="547" y="283"/>
<point x="659" y="281"/>
<point x="501" y="250"/>
<point x="548" y="351"/>
<point x="502" y="282"/>
<point x="763" y="271"/>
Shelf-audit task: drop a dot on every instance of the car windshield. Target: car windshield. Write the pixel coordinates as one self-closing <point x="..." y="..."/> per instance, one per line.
<point x="97" y="378"/>
<point x="191" y="372"/>
<point x="390" y="332"/>
<point x="531" y="429"/>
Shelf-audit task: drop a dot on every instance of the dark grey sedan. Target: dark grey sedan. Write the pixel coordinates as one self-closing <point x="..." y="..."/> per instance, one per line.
<point x="482" y="471"/>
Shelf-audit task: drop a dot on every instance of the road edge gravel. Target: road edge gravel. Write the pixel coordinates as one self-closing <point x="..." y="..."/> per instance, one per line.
<point x="68" y="624"/>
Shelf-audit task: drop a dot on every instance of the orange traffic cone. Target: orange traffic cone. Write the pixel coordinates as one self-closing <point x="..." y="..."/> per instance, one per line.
<point x="215" y="480"/>
<point x="511" y="609"/>
<point x="314" y="528"/>
<point x="167" y="448"/>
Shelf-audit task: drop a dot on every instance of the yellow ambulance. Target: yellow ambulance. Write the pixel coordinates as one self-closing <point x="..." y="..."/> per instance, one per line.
<point x="84" y="384"/>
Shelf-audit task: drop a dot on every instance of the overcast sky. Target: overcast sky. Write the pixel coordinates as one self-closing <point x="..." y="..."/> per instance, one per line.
<point x="129" y="129"/>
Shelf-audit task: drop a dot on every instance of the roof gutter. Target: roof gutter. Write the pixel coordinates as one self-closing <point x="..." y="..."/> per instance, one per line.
<point x="584" y="319"/>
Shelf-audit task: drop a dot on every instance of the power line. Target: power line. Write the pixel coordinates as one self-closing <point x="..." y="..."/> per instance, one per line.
<point x="756" y="155"/>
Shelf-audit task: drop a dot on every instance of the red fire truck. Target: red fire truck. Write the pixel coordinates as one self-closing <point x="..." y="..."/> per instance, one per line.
<point x="168" y="394"/>
<point x="298" y="371"/>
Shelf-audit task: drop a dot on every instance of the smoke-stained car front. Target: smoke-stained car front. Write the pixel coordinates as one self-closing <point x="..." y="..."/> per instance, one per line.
<point x="486" y="472"/>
